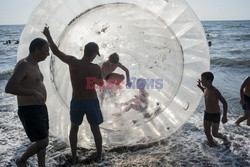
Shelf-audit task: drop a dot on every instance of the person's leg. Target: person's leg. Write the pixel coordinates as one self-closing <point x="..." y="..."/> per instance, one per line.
<point x="98" y="140"/>
<point x="207" y="130"/>
<point x="73" y="141"/>
<point x="248" y="117"/>
<point x="76" y="118"/>
<point x="41" y="156"/>
<point x="31" y="150"/>
<point x="215" y="129"/>
<point x="242" y="118"/>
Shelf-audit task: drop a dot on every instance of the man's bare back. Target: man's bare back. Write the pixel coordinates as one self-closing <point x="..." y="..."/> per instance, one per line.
<point x="80" y="70"/>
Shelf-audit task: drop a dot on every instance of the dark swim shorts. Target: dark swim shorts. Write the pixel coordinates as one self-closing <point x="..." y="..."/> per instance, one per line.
<point x="35" y="121"/>
<point x="90" y="107"/>
<point x="246" y="106"/>
<point x="212" y="117"/>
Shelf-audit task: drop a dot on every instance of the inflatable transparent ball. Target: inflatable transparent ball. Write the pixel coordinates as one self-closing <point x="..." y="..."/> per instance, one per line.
<point x="161" y="42"/>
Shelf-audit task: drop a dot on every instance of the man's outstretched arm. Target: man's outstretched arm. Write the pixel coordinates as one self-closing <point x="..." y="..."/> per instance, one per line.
<point x="62" y="56"/>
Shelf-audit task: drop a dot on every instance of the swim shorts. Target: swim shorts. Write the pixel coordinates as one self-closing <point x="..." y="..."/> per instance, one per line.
<point x="212" y="117"/>
<point x="35" y="121"/>
<point x="90" y="107"/>
<point x="246" y="106"/>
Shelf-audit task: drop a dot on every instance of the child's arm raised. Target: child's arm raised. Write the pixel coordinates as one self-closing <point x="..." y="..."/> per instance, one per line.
<point x="199" y="85"/>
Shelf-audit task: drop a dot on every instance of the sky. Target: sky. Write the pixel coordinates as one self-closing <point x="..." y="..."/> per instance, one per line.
<point x="18" y="11"/>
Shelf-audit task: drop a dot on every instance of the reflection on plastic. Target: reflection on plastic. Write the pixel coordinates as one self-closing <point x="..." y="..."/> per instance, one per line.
<point x="160" y="41"/>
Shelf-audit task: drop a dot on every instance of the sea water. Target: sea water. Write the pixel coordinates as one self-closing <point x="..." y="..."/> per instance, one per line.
<point x="230" y="63"/>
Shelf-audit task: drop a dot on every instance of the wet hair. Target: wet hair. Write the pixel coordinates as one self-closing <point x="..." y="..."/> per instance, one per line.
<point x="91" y="48"/>
<point x="37" y="43"/>
<point x="208" y="76"/>
<point x="114" y="58"/>
<point x="140" y="83"/>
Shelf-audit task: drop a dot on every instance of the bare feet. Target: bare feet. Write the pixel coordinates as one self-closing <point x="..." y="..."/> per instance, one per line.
<point x="20" y="163"/>
<point x="100" y="160"/>
<point x="211" y="144"/>
<point x="74" y="160"/>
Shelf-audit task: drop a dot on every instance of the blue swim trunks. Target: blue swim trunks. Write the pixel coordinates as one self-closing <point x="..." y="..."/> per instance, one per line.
<point x="90" y="107"/>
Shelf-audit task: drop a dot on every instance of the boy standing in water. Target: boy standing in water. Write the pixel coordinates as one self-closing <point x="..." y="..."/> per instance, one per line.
<point x="245" y="101"/>
<point x="27" y="83"/>
<point x="212" y="114"/>
<point x="84" y="99"/>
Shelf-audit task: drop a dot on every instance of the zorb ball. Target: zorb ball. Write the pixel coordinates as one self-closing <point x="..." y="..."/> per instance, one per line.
<point x="161" y="42"/>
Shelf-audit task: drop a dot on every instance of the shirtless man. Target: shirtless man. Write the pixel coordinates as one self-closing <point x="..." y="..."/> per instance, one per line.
<point x="245" y="101"/>
<point x="84" y="100"/>
<point x="212" y="114"/>
<point x="27" y="83"/>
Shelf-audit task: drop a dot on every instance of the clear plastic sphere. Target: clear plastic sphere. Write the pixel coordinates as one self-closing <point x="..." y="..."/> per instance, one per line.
<point x="160" y="41"/>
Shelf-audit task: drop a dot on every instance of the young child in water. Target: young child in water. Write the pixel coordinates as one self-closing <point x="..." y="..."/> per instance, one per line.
<point x="212" y="113"/>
